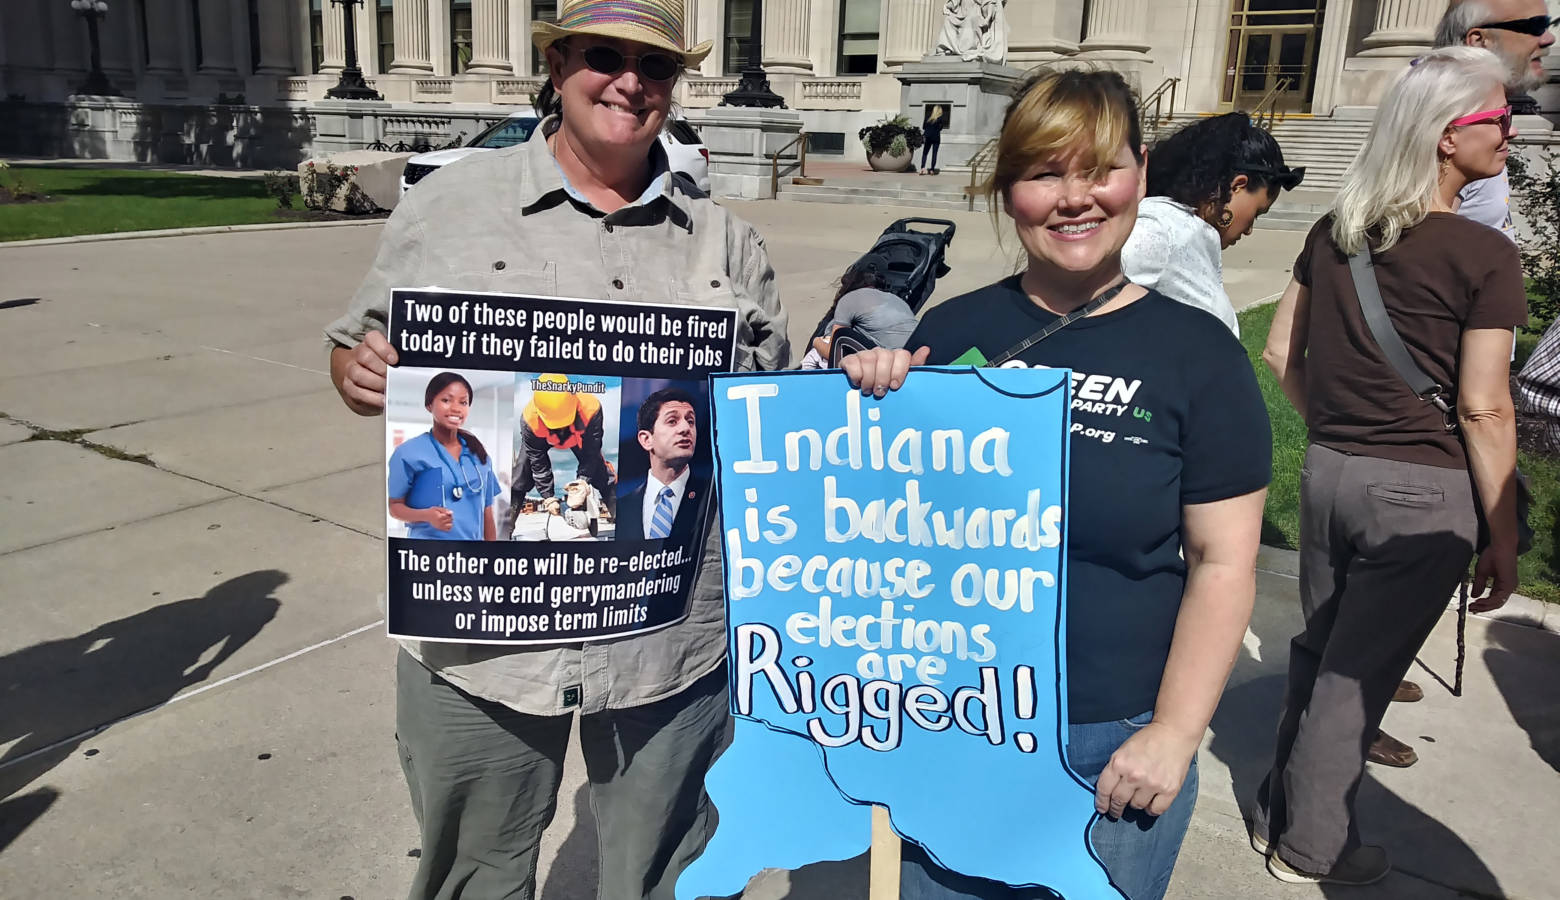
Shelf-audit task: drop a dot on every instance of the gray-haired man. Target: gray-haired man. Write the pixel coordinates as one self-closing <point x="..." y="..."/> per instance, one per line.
<point x="1519" y="32"/>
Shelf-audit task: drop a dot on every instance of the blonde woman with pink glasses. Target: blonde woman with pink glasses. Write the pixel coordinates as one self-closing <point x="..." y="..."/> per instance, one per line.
<point x="1394" y="342"/>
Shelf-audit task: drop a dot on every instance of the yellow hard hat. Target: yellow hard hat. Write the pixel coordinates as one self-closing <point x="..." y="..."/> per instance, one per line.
<point x="557" y="408"/>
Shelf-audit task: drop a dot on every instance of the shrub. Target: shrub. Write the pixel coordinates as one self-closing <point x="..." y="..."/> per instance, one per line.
<point x="282" y="186"/>
<point x="893" y="135"/>
<point x="332" y="187"/>
<point x="1535" y="187"/>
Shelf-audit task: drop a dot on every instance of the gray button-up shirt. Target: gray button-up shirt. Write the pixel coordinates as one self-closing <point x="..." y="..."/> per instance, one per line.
<point x="505" y="221"/>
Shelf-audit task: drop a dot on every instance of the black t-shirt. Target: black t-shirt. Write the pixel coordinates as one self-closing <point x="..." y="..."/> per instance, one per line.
<point x="1170" y="414"/>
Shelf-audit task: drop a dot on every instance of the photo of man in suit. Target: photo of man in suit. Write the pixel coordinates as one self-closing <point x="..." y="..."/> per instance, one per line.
<point x="669" y="502"/>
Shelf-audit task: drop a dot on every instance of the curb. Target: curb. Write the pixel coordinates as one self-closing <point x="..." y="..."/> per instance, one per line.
<point x="1519" y="610"/>
<point x="182" y="232"/>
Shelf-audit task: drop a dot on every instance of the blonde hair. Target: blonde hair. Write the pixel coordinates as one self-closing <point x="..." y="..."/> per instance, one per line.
<point x="1061" y="110"/>
<point x="1391" y="183"/>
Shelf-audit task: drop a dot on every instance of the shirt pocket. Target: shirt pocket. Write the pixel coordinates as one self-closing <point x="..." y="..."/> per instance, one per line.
<point x="716" y="292"/>
<point x="504" y="277"/>
<point x="1403" y="494"/>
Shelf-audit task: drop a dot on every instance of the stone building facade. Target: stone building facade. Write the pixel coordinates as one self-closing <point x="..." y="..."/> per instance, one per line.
<point x="253" y="73"/>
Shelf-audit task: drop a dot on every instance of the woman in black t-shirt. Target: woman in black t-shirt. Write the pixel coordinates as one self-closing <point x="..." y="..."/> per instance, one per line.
<point x="1170" y="452"/>
<point x="1394" y="486"/>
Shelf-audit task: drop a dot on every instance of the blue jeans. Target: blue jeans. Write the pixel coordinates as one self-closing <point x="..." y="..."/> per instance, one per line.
<point x="1138" y="850"/>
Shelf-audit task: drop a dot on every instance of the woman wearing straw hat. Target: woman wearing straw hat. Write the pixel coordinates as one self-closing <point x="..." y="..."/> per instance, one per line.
<point x="588" y="207"/>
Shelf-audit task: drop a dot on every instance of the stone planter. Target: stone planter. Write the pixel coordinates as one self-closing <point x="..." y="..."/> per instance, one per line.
<point x="883" y="162"/>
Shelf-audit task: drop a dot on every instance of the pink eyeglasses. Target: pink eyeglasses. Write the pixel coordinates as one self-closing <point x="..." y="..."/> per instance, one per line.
<point x="1501" y="117"/>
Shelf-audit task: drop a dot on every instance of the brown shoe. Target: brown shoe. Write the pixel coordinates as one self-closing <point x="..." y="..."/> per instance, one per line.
<point x="1408" y="692"/>
<point x="1389" y="751"/>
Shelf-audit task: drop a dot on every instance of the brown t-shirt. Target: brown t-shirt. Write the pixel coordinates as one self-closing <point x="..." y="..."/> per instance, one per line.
<point x="1446" y="275"/>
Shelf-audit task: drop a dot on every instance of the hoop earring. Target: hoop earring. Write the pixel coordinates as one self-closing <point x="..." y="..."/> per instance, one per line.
<point x="1225" y="218"/>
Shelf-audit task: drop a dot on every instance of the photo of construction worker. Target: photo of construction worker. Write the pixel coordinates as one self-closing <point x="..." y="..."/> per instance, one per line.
<point x="564" y="482"/>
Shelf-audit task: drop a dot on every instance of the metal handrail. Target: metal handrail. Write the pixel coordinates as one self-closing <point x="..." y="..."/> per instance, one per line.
<point x="1157" y="101"/>
<point x="981" y="157"/>
<point x="1270" y="101"/>
<point x="774" y="162"/>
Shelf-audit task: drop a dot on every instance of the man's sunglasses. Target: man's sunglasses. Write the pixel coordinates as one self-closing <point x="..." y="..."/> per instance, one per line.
<point x="1534" y="25"/>
<point x="1285" y="177"/>
<point x="1501" y="117"/>
<point x="608" y="60"/>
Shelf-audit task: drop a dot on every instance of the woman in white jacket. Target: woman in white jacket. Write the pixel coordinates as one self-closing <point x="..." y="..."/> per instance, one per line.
<point x="1207" y="185"/>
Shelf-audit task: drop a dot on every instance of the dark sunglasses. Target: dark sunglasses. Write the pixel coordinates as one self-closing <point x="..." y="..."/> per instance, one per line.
<point x="1534" y="25"/>
<point x="608" y="60"/>
<point x="1285" y="177"/>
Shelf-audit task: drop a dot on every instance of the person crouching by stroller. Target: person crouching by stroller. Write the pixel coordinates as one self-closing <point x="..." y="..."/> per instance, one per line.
<point x="865" y="306"/>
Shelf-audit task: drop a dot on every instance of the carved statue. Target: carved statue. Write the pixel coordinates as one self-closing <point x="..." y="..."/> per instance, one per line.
<point x="974" y="29"/>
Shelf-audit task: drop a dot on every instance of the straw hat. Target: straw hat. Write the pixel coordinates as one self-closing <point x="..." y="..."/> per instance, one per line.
<point x="658" y="23"/>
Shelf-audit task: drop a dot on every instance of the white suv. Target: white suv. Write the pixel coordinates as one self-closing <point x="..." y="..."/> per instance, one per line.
<point x="683" y="148"/>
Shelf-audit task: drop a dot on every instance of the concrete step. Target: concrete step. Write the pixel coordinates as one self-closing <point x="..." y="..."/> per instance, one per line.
<point x="914" y="203"/>
<point x="837" y="189"/>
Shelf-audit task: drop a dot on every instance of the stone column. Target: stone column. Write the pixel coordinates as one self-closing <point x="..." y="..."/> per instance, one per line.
<point x="911" y="30"/>
<point x="275" y="42"/>
<point x="1041" y="30"/>
<point x="490" y="37"/>
<point x="785" y="36"/>
<point x="411" y="38"/>
<point x="114" y="33"/>
<point x="1116" y="27"/>
<point x="335" y="26"/>
<point x="216" y="38"/>
<point x="1403" y="27"/>
<point x="67" y="34"/>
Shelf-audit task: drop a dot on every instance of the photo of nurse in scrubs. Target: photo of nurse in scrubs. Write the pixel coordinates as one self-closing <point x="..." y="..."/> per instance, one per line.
<point x="441" y="482"/>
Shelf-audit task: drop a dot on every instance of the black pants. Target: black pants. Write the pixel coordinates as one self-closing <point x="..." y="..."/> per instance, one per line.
<point x="930" y="147"/>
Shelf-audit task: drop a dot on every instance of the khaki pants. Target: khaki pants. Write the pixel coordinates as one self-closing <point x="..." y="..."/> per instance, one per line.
<point x="1382" y="546"/>
<point x="484" y="781"/>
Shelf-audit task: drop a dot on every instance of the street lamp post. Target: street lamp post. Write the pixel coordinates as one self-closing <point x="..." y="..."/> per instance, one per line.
<point x="97" y="84"/>
<point x="351" y="86"/>
<point x="753" y="88"/>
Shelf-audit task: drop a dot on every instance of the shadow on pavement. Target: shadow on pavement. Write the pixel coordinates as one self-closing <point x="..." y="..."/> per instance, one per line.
<point x="61" y="690"/>
<point x="1514" y="653"/>
<point x="1244" y="735"/>
<point x="572" y="875"/>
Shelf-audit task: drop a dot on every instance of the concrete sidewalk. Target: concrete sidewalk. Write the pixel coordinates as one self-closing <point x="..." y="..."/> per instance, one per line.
<point x="192" y="533"/>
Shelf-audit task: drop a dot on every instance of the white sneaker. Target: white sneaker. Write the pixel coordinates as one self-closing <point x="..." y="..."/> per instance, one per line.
<point x="1366" y="865"/>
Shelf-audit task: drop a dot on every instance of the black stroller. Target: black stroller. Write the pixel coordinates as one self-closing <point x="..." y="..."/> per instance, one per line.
<point x="908" y="263"/>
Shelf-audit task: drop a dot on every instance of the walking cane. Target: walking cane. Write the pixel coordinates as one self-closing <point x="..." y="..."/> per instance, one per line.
<point x="1462" y="626"/>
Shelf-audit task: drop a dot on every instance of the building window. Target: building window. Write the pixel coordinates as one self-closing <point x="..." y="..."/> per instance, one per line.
<point x="542" y="11"/>
<point x="146" y="42"/>
<point x="386" y="35"/>
<point x="316" y="35"/>
<point x="739" y="35"/>
<point x="858" y="37"/>
<point x="254" y="35"/>
<point x="195" y="23"/>
<point x="460" y="35"/>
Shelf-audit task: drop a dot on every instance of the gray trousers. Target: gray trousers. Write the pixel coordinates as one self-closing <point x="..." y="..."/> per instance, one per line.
<point x="1382" y="546"/>
<point x="484" y="781"/>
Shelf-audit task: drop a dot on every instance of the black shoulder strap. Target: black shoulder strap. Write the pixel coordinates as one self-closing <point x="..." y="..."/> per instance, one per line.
<point x="1059" y="324"/>
<point x="1362" y="269"/>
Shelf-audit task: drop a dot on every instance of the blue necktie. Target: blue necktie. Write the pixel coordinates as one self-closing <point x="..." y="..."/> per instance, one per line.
<point x="661" y="519"/>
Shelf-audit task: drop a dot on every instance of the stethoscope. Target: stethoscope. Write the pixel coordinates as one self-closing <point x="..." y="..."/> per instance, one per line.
<point x="458" y="492"/>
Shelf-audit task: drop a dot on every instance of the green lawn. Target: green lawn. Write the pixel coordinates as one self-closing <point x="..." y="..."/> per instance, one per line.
<point x="1539" y="569"/>
<point x="95" y="201"/>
